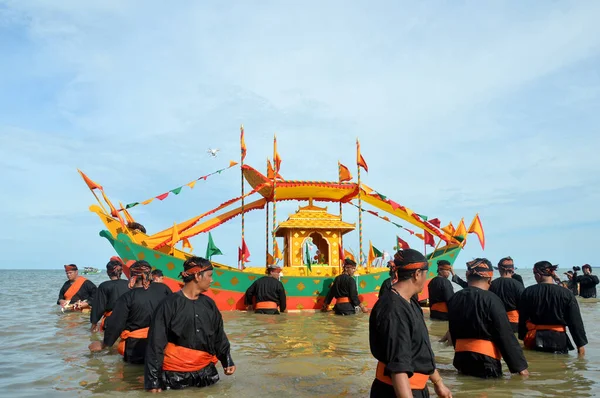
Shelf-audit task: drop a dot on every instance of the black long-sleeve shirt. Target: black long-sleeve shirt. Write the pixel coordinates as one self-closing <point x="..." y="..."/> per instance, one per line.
<point x="518" y="278"/>
<point x="587" y="285"/>
<point x="479" y="314"/>
<point x="86" y="292"/>
<point x="343" y="286"/>
<point x="509" y="291"/>
<point x="385" y="288"/>
<point x="459" y="281"/>
<point x="133" y="311"/>
<point x="195" y="324"/>
<point x="106" y="296"/>
<point x="440" y="291"/>
<point x="267" y="288"/>
<point x="398" y="337"/>
<point x="549" y="304"/>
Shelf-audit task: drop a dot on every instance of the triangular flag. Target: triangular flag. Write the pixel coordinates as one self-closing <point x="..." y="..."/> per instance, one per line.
<point x="424" y="218"/>
<point x="147" y="202"/>
<point x="276" y="252"/>
<point x="242" y="143"/>
<point x="91" y="184"/>
<point x="349" y="255"/>
<point x="461" y="232"/>
<point x="243" y="252"/>
<point x="276" y="158"/>
<point x="176" y="191"/>
<point x="429" y="239"/>
<point x="130" y="205"/>
<point x="373" y="254"/>
<point x="232" y="163"/>
<point x="186" y="244"/>
<point x="127" y="215"/>
<point x="211" y="248"/>
<point x="360" y="161"/>
<point x="436" y="222"/>
<point x="449" y="229"/>
<point x="162" y="196"/>
<point x="400" y="244"/>
<point x="344" y="173"/>
<point x="477" y="229"/>
<point x="270" y="259"/>
<point x="271" y="171"/>
<point x="191" y="184"/>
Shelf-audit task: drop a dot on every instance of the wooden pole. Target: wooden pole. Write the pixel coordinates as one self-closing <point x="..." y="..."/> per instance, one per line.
<point x="275" y="172"/>
<point x="360" y="227"/>
<point x="242" y="155"/>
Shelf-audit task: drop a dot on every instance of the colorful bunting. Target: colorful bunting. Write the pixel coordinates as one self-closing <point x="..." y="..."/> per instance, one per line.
<point x="176" y="191"/>
<point x="383" y="218"/>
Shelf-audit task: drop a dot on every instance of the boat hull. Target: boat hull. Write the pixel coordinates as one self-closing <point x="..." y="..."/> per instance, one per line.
<point x="230" y="284"/>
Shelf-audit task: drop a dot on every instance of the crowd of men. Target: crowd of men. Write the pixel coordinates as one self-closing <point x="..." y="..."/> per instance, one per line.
<point x="179" y="337"/>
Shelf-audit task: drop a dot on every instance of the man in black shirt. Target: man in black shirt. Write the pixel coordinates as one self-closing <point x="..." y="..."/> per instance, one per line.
<point x="186" y="336"/>
<point x="131" y="315"/>
<point x="107" y="294"/>
<point x="268" y="292"/>
<point x="440" y="291"/>
<point x="572" y="282"/>
<point x="509" y="290"/>
<point x="508" y="262"/>
<point x="345" y="292"/>
<point x="479" y="328"/>
<point x="398" y="336"/>
<point x="77" y="292"/>
<point x="587" y="282"/>
<point x="545" y="310"/>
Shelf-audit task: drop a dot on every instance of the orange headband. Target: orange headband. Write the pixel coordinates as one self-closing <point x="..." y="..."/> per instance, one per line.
<point x="194" y="270"/>
<point x="413" y="266"/>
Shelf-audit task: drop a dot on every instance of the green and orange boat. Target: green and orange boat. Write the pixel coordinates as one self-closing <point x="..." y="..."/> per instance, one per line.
<point x="306" y="284"/>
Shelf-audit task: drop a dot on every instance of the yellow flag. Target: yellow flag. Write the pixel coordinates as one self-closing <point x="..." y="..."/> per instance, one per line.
<point x="477" y="229"/>
<point x="276" y="252"/>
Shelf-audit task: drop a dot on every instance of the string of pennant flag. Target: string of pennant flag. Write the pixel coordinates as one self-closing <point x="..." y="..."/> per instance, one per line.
<point x="177" y="191"/>
<point x="385" y="218"/>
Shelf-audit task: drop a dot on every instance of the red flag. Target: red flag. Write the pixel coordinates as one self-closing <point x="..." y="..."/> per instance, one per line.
<point x="91" y="184"/>
<point x="436" y="222"/>
<point x="360" y="161"/>
<point x="243" y="253"/>
<point x="400" y="244"/>
<point x="344" y="173"/>
<point x="242" y="143"/>
<point x="276" y="158"/>
<point x="429" y="239"/>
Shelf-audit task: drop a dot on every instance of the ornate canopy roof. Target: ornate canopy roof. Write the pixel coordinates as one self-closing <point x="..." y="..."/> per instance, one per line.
<point x="314" y="217"/>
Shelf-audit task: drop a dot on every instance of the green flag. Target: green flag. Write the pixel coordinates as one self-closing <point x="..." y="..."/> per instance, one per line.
<point x="308" y="262"/>
<point x="211" y="248"/>
<point x="377" y="252"/>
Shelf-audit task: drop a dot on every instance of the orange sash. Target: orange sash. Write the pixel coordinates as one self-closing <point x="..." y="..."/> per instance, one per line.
<point x="74" y="288"/>
<point x="266" y="305"/>
<point x="440" y="307"/>
<point x="418" y="381"/>
<point x="182" y="359"/>
<point x="513" y="316"/>
<point x="484" y="347"/>
<point x="532" y="328"/>
<point x="342" y="300"/>
<point x="106" y="315"/>
<point x="136" y="334"/>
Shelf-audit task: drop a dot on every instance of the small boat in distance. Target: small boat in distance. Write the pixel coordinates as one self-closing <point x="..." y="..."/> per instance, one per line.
<point x="90" y="271"/>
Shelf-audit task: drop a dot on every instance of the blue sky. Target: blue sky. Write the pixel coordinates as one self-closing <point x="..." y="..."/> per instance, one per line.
<point x="461" y="108"/>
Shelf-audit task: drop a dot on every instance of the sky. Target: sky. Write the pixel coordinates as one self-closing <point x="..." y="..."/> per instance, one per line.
<point x="461" y="108"/>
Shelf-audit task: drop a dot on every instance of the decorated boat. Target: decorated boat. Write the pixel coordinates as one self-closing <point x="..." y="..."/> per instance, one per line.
<point x="90" y="271"/>
<point x="312" y="238"/>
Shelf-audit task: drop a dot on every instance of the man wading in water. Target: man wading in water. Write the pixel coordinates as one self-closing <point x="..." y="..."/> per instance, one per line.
<point x="269" y="293"/>
<point x="345" y="292"/>
<point x="76" y="291"/>
<point x="186" y="337"/>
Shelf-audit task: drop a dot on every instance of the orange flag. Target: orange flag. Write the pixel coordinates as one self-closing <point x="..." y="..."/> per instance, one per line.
<point x="277" y="252"/>
<point x="344" y="173"/>
<point x="186" y="244"/>
<point x="242" y="143"/>
<point x="449" y="229"/>
<point x="276" y="158"/>
<point x="461" y="231"/>
<point x="349" y="255"/>
<point x="174" y="236"/>
<point x="360" y="161"/>
<point x="232" y="163"/>
<point x="271" y="172"/>
<point x="477" y="229"/>
<point x="91" y="184"/>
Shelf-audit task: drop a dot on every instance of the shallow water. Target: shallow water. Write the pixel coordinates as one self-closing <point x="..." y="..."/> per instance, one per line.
<point x="44" y="353"/>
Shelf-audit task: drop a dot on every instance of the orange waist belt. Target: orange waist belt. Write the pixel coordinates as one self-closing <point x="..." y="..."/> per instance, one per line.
<point x="418" y="381"/>
<point x="136" y="334"/>
<point x="513" y="316"/>
<point x="182" y="359"/>
<point x="484" y="347"/>
<point x="342" y="300"/>
<point x="532" y="328"/>
<point x="440" y="307"/>
<point x="106" y="315"/>
<point x="266" y="305"/>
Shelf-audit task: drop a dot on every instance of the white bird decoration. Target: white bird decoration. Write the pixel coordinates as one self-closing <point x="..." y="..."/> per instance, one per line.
<point x="213" y="152"/>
